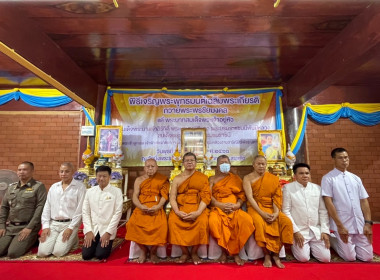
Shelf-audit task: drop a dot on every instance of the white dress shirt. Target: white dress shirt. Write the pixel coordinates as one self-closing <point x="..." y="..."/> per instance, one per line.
<point x="102" y="210"/>
<point x="346" y="190"/>
<point x="64" y="204"/>
<point x="306" y="209"/>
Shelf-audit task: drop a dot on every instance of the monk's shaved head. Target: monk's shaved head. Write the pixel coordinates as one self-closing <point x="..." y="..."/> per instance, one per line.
<point x="150" y="167"/>
<point x="257" y="157"/>
<point x="151" y="160"/>
<point x="189" y="154"/>
<point x="259" y="164"/>
<point x="222" y="157"/>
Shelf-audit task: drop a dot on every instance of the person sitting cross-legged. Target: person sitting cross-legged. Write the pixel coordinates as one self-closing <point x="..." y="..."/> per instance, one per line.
<point x="229" y="225"/>
<point x="188" y="219"/>
<point x="148" y="225"/>
<point x="272" y="228"/>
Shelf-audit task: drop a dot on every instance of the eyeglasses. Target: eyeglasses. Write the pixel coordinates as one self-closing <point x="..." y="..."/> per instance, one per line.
<point x="189" y="160"/>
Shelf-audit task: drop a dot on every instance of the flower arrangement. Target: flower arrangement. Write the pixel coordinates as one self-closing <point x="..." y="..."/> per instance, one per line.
<point x="208" y="160"/>
<point x="92" y="182"/>
<point x="116" y="176"/>
<point x="283" y="182"/>
<point x="80" y="176"/>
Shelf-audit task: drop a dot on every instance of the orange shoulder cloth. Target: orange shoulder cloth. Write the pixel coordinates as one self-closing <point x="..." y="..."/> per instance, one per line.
<point x="267" y="189"/>
<point x="231" y="184"/>
<point x="158" y="184"/>
<point x="196" y="185"/>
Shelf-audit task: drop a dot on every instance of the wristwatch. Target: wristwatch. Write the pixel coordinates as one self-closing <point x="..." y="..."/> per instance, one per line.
<point x="368" y="222"/>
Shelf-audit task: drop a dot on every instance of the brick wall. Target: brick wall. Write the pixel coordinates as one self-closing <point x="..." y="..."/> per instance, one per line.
<point x="362" y="144"/>
<point x="45" y="138"/>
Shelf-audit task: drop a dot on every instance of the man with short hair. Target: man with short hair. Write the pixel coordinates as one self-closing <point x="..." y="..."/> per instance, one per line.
<point x="188" y="219"/>
<point x="264" y="195"/>
<point x="303" y="204"/>
<point x="62" y="214"/>
<point x="20" y="215"/>
<point x="350" y="216"/>
<point x="148" y="225"/>
<point x="101" y="213"/>
<point x="229" y="225"/>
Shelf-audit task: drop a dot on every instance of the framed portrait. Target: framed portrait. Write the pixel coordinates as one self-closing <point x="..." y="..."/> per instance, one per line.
<point x="270" y="144"/>
<point x="194" y="140"/>
<point x="108" y="140"/>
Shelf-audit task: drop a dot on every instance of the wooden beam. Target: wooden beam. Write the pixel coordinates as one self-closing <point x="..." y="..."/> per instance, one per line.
<point x="24" y="42"/>
<point x="358" y="43"/>
<point x="350" y="94"/>
<point x="189" y="40"/>
<point x="183" y="25"/>
<point x="206" y="9"/>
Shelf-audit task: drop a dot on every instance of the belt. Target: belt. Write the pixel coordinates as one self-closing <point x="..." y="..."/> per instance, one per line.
<point x="19" y="223"/>
<point x="62" y="221"/>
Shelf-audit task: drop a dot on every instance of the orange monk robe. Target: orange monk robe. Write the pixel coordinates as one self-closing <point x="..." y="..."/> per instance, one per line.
<point x="189" y="194"/>
<point x="267" y="191"/>
<point x="150" y="229"/>
<point x="230" y="230"/>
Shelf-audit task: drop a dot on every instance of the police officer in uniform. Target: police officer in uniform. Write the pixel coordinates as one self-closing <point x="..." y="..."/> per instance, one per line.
<point x="20" y="215"/>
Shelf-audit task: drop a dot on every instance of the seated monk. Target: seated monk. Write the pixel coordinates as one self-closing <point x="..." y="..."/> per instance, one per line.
<point x="264" y="195"/>
<point x="148" y="224"/>
<point x="188" y="219"/>
<point x="229" y="225"/>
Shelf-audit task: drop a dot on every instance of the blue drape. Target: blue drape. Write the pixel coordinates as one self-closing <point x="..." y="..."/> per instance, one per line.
<point x="330" y="113"/>
<point x="37" y="101"/>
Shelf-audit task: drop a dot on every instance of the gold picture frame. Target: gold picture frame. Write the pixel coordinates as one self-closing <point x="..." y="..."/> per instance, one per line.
<point x="194" y="140"/>
<point x="270" y="144"/>
<point x="108" y="140"/>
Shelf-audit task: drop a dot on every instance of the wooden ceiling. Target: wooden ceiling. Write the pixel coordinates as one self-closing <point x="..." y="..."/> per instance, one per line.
<point x="80" y="47"/>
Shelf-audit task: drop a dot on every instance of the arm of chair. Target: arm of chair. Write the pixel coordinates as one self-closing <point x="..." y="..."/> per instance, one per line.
<point x="127" y="207"/>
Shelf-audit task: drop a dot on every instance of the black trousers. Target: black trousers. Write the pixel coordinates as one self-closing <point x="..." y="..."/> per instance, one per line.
<point x="95" y="250"/>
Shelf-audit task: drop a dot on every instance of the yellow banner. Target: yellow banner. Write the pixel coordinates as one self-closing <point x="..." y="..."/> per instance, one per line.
<point x="152" y="124"/>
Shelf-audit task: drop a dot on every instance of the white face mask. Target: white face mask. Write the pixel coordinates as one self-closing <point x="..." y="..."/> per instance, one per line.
<point x="224" y="167"/>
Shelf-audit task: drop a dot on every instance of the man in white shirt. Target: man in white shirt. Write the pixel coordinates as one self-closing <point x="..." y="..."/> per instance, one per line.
<point x="62" y="214"/>
<point x="350" y="216"/>
<point x="303" y="204"/>
<point x="102" y="209"/>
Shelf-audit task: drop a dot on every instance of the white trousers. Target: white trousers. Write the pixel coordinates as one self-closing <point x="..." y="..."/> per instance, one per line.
<point x="251" y="251"/>
<point x="177" y="251"/>
<point x="255" y="252"/>
<point x="215" y="251"/>
<point x="357" y="247"/>
<point x="53" y="243"/>
<point x="317" y="248"/>
<point x="135" y="251"/>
